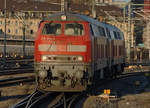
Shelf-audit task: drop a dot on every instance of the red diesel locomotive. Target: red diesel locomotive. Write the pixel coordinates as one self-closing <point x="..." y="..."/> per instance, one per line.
<point x="73" y="51"/>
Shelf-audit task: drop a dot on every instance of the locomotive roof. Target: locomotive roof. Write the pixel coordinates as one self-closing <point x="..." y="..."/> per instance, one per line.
<point x="72" y="17"/>
<point x="79" y="17"/>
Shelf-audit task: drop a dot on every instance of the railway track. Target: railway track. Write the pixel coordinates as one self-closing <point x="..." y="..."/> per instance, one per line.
<point x="48" y="100"/>
<point x="65" y="100"/>
<point x="17" y="60"/>
<point x="16" y="71"/>
<point x="29" y="101"/>
<point x="15" y="63"/>
<point x="17" y="80"/>
<point x="11" y="77"/>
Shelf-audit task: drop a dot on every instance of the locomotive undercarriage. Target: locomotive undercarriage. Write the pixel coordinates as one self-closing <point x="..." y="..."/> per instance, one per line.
<point x="62" y="77"/>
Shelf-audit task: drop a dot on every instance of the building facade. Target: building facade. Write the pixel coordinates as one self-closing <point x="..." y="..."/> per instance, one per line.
<point x="120" y="4"/>
<point x="15" y="26"/>
<point x="103" y="1"/>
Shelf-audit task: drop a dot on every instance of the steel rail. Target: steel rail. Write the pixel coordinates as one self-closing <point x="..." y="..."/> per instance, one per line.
<point x="64" y="102"/>
<point x="18" y="60"/>
<point x="57" y="99"/>
<point x="33" y="104"/>
<point x="73" y="100"/>
<point x="18" y="71"/>
<point x="13" y="81"/>
<point x="23" y="102"/>
<point x="16" y="68"/>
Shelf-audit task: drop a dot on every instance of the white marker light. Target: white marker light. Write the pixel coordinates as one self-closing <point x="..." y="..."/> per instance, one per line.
<point x="63" y="17"/>
<point x="44" y="58"/>
<point x="80" y="58"/>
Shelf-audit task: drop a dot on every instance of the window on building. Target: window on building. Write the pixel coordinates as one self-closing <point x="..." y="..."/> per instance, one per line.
<point x="1" y="23"/>
<point x="16" y="31"/>
<point x="9" y="31"/>
<point x="1" y="31"/>
<point x="11" y="14"/>
<point x="33" y="14"/>
<point x="26" y="14"/>
<point x="31" y="31"/>
<point x="120" y="26"/>
<point x="8" y="22"/>
<point x="16" y="23"/>
<point x="31" y="23"/>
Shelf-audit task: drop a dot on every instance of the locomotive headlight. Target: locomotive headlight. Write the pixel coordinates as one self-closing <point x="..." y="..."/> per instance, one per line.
<point x="44" y="58"/>
<point x="42" y="74"/>
<point x="79" y="74"/>
<point x="80" y="58"/>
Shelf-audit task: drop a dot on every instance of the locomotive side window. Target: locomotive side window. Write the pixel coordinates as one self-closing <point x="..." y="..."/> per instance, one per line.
<point x="95" y="30"/>
<point x="115" y="35"/>
<point x="118" y="34"/>
<point x="91" y="29"/>
<point x="74" y="29"/>
<point x="102" y="31"/>
<point x="52" y="29"/>
<point x="108" y="32"/>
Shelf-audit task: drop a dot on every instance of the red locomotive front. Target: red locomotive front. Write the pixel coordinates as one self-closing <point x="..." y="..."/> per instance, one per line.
<point x="62" y="55"/>
<point x="73" y="51"/>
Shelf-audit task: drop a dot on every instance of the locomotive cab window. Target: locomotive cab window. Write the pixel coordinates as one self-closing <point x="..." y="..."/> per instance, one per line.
<point x="74" y="29"/>
<point x="52" y="29"/>
<point x="102" y="31"/>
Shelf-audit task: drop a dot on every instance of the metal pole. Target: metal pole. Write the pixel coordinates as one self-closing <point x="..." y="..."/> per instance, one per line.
<point x="129" y="31"/>
<point x="5" y="31"/>
<point x="93" y="9"/>
<point x="149" y="60"/>
<point x="65" y="6"/>
<point x="62" y="5"/>
<point x="68" y="5"/>
<point x="24" y="42"/>
<point x="124" y="14"/>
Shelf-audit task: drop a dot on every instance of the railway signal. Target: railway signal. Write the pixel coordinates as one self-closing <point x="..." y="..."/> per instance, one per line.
<point x="107" y="91"/>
